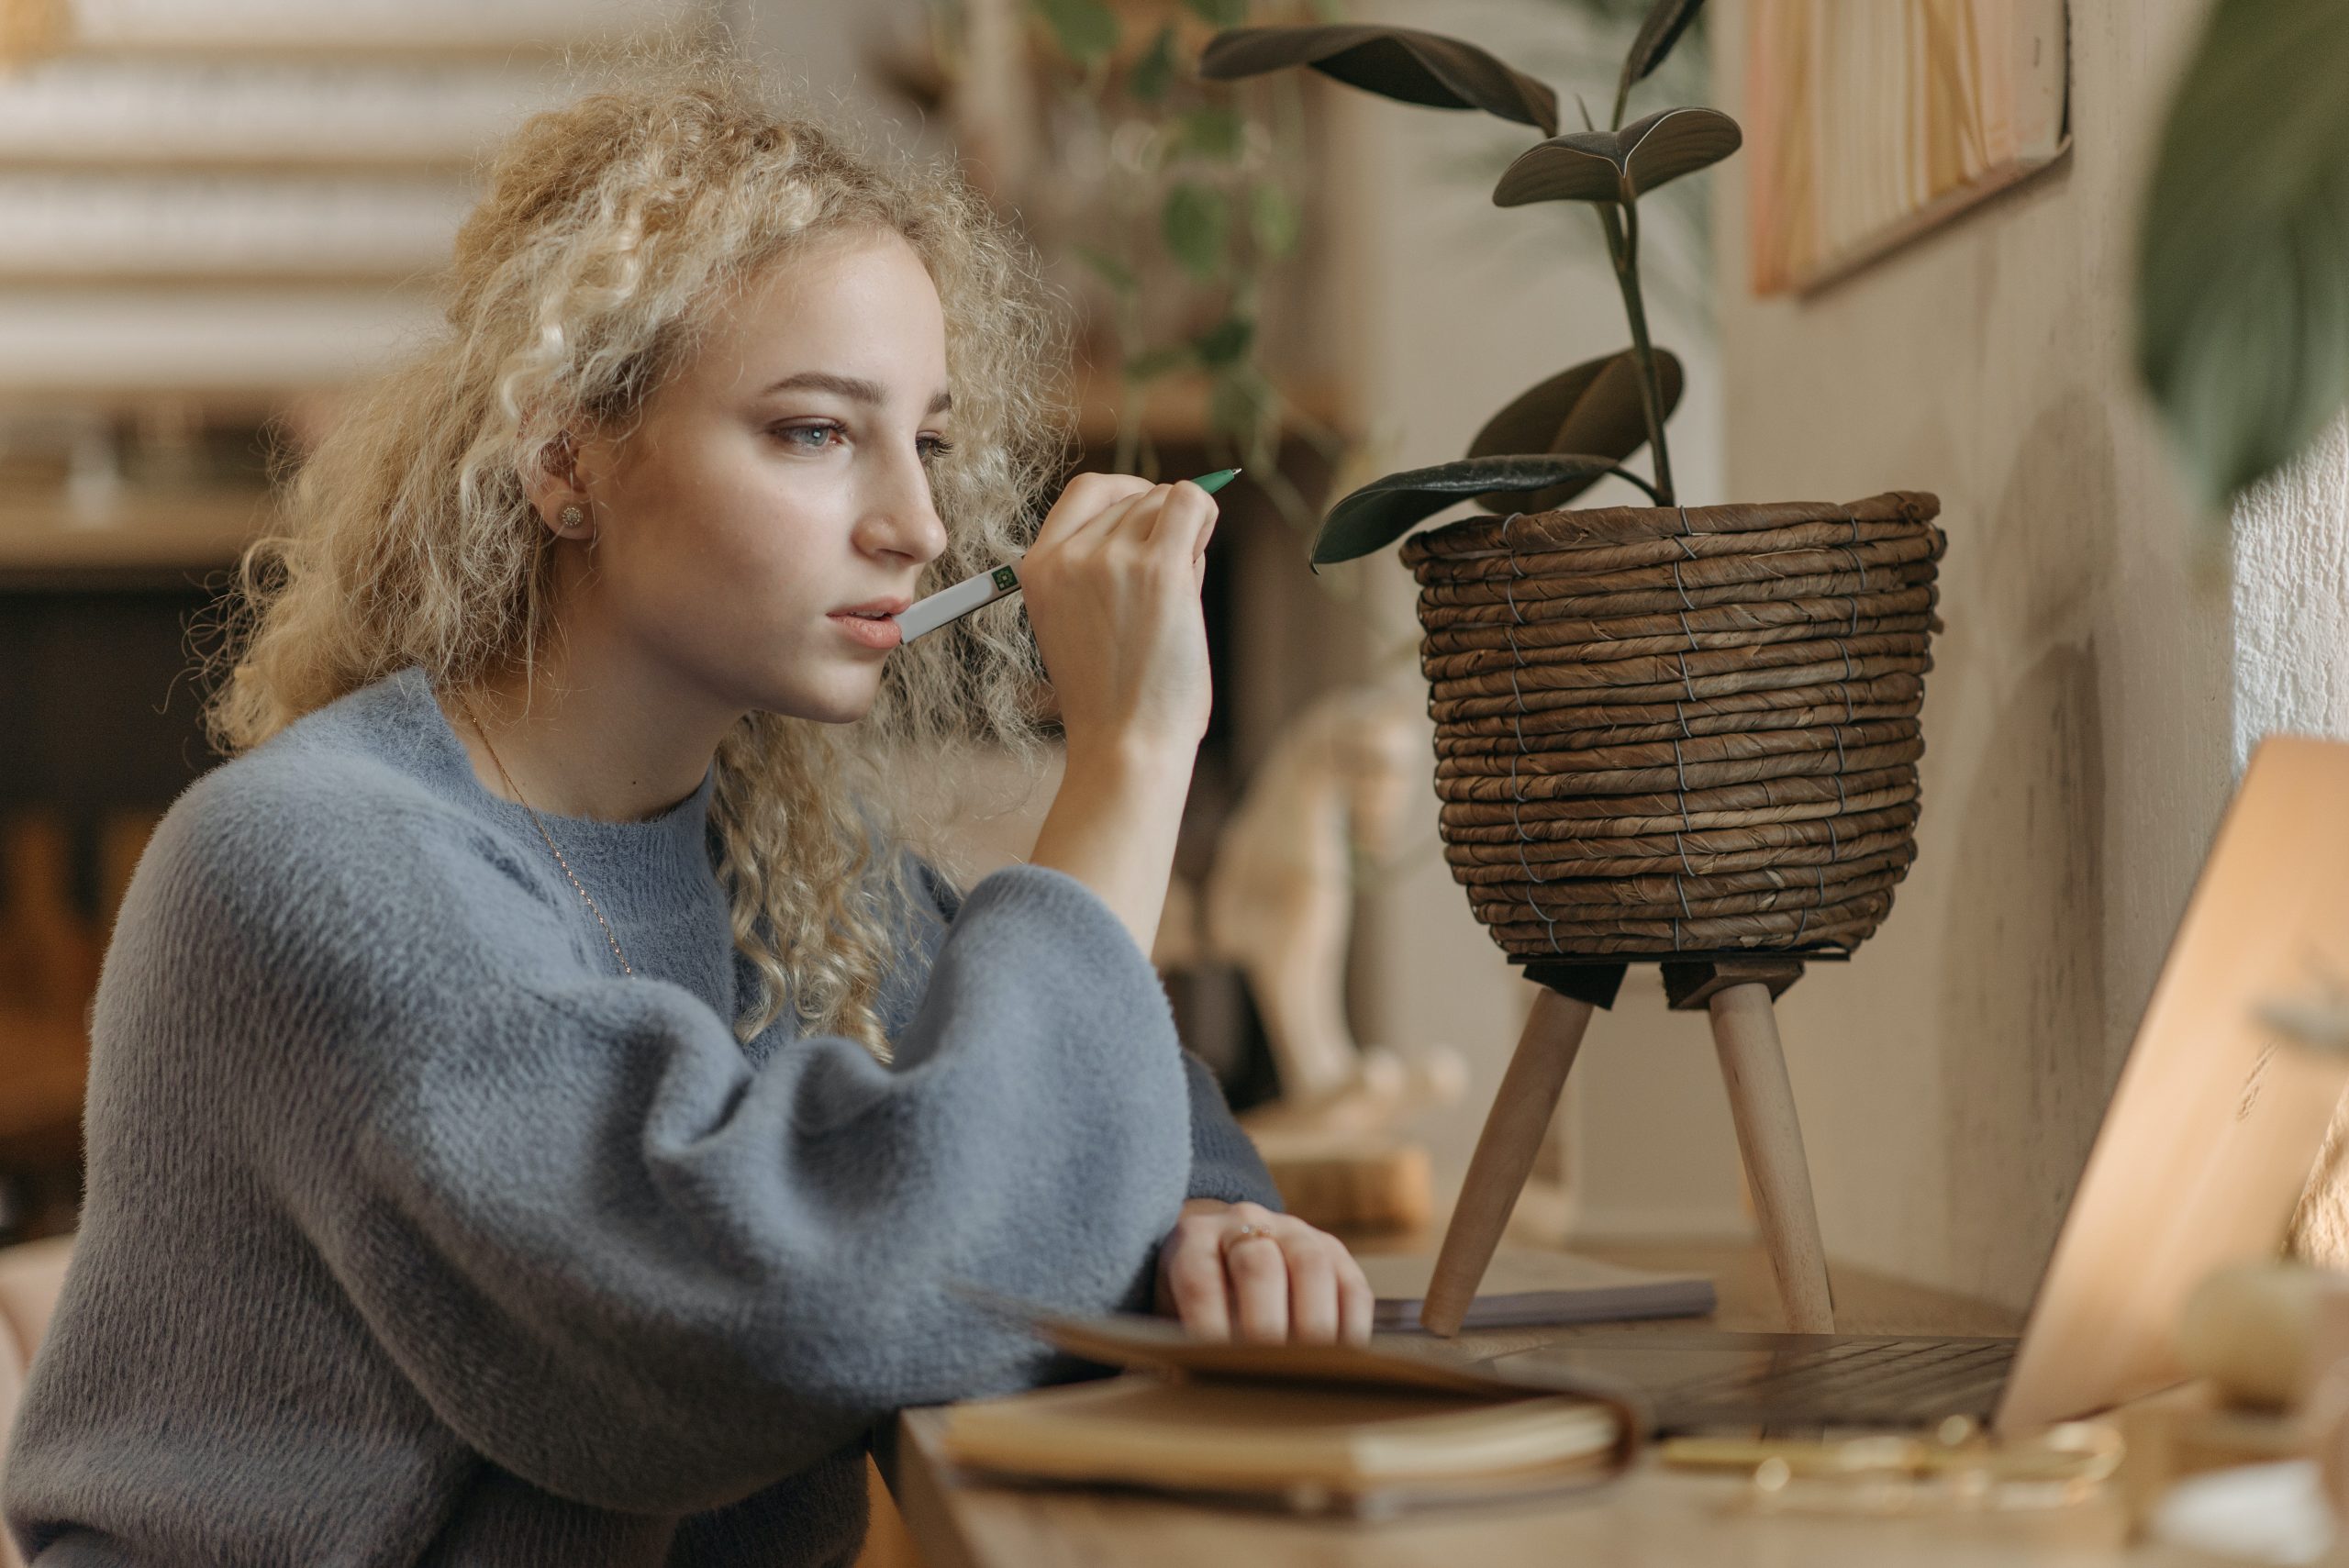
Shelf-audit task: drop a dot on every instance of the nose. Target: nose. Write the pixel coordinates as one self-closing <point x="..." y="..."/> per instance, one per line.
<point x="901" y="518"/>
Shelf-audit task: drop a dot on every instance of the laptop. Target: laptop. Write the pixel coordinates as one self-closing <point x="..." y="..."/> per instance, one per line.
<point x="2203" y="1153"/>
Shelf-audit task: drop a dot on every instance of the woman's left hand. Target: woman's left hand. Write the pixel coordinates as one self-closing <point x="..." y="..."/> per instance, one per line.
<point x="1239" y="1270"/>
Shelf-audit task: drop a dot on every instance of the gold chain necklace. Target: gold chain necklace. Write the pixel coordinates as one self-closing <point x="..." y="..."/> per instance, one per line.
<point x="516" y="790"/>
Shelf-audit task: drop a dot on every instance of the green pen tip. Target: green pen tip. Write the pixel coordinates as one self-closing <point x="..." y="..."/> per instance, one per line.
<point x="1211" y="483"/>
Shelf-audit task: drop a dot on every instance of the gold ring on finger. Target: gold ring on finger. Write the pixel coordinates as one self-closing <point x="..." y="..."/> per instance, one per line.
<point x="1245" y="1233"/>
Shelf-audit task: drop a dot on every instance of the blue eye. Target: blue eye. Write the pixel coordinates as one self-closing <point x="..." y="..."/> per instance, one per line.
<point x="792" y="435"/>
<point x="933" y="447"/>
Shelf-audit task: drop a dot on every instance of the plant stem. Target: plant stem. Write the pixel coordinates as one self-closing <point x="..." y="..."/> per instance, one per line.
<point x="1131" y="395"/>
<point x="1623" y="246"/>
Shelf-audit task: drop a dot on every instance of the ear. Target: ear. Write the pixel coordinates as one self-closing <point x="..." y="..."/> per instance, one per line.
<point x="556" y="482"/>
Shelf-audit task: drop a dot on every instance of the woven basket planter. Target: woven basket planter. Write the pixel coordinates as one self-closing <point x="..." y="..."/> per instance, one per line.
<point x="1664" y="731"/>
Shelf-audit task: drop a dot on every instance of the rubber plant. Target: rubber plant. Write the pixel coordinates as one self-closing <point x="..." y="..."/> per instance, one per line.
<point x="1666" y="735"/>
<point x="2243" y="285"/>
<point x="1555" y="439"/>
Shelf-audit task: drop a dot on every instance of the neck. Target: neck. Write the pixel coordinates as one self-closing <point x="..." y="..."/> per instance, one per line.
<point x="587" y="737"/>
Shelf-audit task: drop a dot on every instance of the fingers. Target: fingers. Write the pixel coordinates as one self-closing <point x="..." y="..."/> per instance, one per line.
<point x="1090" y="501"/>
<point x="1097" y="505"/>
<point x="1330" y="1299"/>
<point x="1239" y="1270"/>
<point x="1185" y="522"/>
<point x="1357" y="1302"/>
<point x="1191" y="1277"/>
<point x="1259" y="1270"/>
<point x="1312" y="1292"/>
<point x="1181" y="512"/>
<point x="1283" y="1277"/>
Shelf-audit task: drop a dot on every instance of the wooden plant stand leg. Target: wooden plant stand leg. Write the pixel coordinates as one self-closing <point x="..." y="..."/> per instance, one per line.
<point x="1754" y="1068"/>
<point x="1511" y="1140"/>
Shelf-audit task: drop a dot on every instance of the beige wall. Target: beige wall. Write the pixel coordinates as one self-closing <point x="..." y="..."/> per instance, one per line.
<point x="2078" y="721"/>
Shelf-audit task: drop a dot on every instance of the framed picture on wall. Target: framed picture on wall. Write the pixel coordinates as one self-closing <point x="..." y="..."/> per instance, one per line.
<point x="1871" y="121"/>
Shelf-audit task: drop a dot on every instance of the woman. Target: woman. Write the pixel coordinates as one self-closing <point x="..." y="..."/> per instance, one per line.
<point x="537" y="1110"/>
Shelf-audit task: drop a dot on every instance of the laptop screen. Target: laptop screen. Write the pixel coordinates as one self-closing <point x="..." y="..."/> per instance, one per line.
<point x="2218" y="1118"/>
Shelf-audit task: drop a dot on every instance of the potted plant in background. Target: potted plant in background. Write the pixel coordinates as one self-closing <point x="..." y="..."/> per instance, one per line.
<point x="1664" y="733"/>
<point x="2243" y="272"/>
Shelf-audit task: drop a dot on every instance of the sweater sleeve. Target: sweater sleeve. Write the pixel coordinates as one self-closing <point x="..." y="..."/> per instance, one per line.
<point x="1224" y="1163"/>
<point x="617" y="1259"/>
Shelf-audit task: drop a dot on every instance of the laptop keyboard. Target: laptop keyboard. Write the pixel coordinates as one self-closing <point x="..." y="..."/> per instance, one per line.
<point x="1871" y="1374"/>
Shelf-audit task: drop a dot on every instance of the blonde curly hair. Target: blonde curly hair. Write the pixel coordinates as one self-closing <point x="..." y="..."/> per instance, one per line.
<point x="588" y="272"/>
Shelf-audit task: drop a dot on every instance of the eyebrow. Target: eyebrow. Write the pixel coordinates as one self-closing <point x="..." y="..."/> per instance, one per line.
<point x="853" y="387"/>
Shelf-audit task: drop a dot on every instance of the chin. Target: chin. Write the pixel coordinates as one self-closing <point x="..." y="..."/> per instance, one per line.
<point x="834" y="706"/>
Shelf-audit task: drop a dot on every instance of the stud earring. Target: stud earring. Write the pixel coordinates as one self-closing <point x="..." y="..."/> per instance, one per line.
<point x="571" y="516"/>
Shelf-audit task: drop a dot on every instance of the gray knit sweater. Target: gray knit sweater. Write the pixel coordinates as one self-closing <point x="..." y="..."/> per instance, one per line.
<point x="416" y="1233"/>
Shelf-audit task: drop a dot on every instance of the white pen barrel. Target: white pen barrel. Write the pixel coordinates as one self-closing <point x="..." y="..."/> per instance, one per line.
<point x="952" y="604"/>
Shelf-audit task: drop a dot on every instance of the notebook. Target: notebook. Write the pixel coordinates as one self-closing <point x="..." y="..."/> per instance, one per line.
<point x="1316" y="1428"/>
<point x="1524" y="1286"/>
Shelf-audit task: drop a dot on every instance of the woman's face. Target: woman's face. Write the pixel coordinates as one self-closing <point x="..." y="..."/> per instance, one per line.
<point x="775" y="488"/>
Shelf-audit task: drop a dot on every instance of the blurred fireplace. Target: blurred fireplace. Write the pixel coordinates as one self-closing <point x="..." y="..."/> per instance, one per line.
<point x="103" y="733"/>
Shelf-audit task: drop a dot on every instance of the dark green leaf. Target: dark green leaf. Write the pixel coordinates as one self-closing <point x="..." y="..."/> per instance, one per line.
<point x="1397" y="62"/>
<point x="1086" y="30"/>
<point x="1666" y="20"/>
<point x="1154" y="72"/>
<point x="1275" y="219"/>
<point x="1220" y="12"/>
<point x="2243" y="287"/>
<point x="1581" y="166"/>
<point x="1594" y="408"/>
<point x="1225" y="341"/>
<point x="1673" y="142"/>
<point x="1385" y="510"/>
<point x="1618" y="166"/>
<point x="1108" y="268"/>
<point x="1196" y="220"/>
<point x="1215" y="131"/>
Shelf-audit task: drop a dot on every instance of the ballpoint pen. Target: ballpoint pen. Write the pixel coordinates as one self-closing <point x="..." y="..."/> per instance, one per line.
<point x="954" y="604"/>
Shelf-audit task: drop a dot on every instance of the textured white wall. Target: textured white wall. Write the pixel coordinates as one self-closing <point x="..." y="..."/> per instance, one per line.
<point x="2292" y="586"/>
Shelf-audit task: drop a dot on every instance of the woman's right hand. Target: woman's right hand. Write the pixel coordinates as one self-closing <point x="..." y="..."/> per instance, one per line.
<point x="1112" y="585"/>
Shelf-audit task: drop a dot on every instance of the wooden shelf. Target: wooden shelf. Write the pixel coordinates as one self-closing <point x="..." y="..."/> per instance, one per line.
<point x="139" y="533"/>
<point x="1177" y="414"/>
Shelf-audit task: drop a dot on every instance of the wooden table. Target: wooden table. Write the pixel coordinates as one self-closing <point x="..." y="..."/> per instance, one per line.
<point x="1667" y="1518"/>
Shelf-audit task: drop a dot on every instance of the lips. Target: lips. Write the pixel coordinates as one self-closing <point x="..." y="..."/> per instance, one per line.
<point x="876" y="608"/>
<point x="867" y="629"/>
